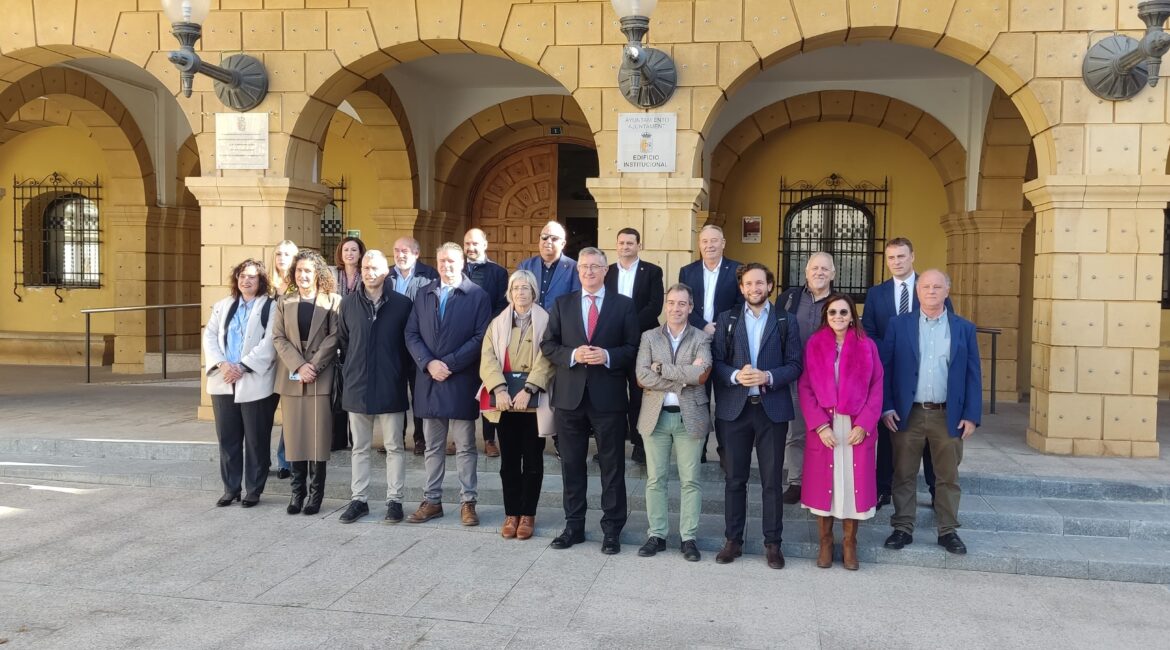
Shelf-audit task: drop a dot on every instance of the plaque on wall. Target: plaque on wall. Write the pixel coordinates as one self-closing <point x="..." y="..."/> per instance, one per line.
<point x="752" y="230"/>
<point x="241" y="140"/>
<point x="646" y="142"/>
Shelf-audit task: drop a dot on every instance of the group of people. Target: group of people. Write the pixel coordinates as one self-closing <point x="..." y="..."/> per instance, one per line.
<point x="845" y="405"/>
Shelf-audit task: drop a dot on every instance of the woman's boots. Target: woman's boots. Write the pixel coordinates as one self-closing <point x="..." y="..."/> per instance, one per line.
<point x="849" y="544"/>
<point x="316" y="487"/>
<point x="825" y="553"/>
<point x="300" y="475"/>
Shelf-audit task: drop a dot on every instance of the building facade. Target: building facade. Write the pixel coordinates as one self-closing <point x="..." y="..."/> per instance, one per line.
<point x="962" y="124"/>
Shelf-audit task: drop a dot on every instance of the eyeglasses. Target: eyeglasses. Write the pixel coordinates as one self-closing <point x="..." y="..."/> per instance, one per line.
<point x="591" y="268"/>
<point x="838" y="312"/>
<point x="553" y="238"/>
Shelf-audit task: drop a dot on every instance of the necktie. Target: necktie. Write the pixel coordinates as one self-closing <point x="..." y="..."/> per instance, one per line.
<point x="446" y="291"/>
<point x="904" y="300"/>
<point x="592" y="325"/>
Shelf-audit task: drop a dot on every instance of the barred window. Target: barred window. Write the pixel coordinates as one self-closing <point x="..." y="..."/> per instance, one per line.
<point x="57" y="234"/>
<point x="333" y="218"/>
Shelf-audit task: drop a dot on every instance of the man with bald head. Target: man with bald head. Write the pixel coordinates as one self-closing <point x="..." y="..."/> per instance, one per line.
<point x="407" y="276"/>
<point x="555" y="272"/>
<point x="933" y="392"/>
<point x="493" y="279"/>
<point x="806" y="304"/>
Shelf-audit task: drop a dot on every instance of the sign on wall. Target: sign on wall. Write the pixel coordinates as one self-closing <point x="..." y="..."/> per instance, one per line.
<point x="241" y="140"/>
<point x="646" y="142"/>
<point x="752" y="230"/>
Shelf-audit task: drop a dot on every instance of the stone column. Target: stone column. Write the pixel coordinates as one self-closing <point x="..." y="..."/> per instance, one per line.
<point x="245" y="216"/>
<point x="983" y="260"/>
<point x="1096" y="314"/>
<point x="135" y="332"/>
<point x="393" y="223"/>
<point x="663" y="209"/>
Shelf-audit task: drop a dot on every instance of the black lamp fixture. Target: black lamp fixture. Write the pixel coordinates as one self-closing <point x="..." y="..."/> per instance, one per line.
<point x="648" y="76"/>
<point x="242" y="81"/>
<point x="1118" y="67"/>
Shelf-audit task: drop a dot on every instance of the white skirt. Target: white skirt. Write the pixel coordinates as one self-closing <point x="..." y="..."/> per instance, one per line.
<point x="844" y="505"/>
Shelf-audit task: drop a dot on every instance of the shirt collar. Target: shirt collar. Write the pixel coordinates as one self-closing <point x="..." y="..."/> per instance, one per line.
<point x="633" y="267"/>
<point x="747" y="309"/>
<point x="942" y="318"/>
<point x="600" y="294"/>
<point x="718" y="265"/>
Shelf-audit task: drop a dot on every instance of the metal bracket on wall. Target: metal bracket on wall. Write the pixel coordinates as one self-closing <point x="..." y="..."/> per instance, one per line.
<point x="1118" y="67"/>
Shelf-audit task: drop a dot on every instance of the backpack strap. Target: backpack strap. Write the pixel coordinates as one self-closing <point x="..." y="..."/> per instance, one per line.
<point x="265" y="314"/>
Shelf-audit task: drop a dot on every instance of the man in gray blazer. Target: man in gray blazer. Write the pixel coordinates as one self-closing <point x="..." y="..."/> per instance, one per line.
<point x="673" y="364"/>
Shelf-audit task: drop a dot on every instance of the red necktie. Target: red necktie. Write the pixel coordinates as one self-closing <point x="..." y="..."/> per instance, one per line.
<point x="592" y="317"/>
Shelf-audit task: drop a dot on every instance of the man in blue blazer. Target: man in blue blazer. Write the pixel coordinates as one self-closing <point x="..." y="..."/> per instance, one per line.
<point x="555" y="273"/>
<point x="713" y="281"/>
<point x="757" y="356"/>
<point x="883" y="302"/>
<point x="933" y="392"/>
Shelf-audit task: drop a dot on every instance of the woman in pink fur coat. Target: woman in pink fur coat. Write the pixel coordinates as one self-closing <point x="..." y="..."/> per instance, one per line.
<point x="841" y="398"/>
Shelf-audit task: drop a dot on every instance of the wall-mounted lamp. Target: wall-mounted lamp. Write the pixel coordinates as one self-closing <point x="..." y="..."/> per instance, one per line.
<point x="1119" y="67"/>
<point x="241" y="83"/>
<point x="647" y="77"/>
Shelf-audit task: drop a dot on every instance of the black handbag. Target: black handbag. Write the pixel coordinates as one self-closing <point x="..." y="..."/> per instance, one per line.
<point x="515" y="381"/>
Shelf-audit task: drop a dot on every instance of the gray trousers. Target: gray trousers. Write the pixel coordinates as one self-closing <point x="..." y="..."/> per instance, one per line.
<point x="794" y="447"/>
<point x="466" y="455"/>
<point x="361" y="427"/>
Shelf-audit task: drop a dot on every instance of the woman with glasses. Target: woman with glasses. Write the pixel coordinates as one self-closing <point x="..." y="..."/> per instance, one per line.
<point x="841" y="399"/>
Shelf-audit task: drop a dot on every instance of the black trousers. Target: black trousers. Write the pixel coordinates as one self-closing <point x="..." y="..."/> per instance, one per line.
<point x="635" y="410"/>
<point x="885" y="462"/>
<point x="609" y="428"/>
<point x="521" y="463"/>
<point x="489" y="429"/>
<point x="245" y="442"/>
<point x="753" y="429"/>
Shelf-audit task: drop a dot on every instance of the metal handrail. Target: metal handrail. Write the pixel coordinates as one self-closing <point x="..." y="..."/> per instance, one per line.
<point x="994" y="332"/>
<point x="162" y="327"/>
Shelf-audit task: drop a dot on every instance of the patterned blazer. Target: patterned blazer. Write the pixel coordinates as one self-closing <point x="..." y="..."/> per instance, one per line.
<point x="679" y="375"/>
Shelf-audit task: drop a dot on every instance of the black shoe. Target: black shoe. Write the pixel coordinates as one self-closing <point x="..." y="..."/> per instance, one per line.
<point x="638" y="455"/>
<point x="690" y="551"/>
<point x="898" y="540"/>
<point x="611" y="546"/>
<point x="295" y="504"/>
<point x="566" y="539"/>
<point x="792" y="494"/>
<point x="653" y="546"/>
<point x="393" y="513"/>
<point x="250" y="501"/>
<point x="883" y="500"/>
<point x="227" y="500"/>
<point x="356" y="510"/>
<point x="953" y="544"/>
<point x="283" y="473"/>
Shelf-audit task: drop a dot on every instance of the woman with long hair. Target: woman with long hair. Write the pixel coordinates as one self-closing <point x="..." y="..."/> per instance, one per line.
<point x="241" y="368"/>
<point x="347" y="269"/>
<point x="282" y="259"/>
<point x="305" y="336"/>
<point x="841" y="398"/>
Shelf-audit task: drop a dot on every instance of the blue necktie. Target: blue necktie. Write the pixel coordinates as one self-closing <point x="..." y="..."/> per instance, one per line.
<point x="443" y="293"/>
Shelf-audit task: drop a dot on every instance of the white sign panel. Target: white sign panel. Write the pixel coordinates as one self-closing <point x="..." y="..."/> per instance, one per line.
<point x="241" y="140"/>
<point x="646" y="142"/>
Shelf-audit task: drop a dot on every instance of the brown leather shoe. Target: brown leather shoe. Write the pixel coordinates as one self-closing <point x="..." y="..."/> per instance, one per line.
<point x="775" y="557"/>
<point x="508" y="531"/>
<point x="490" y="449"/>
<point x="467" y="514"/>
<point x="849" y="544"/>
<point x="825" y="552"/>
<point x="731" y="550"/>
<point x="450" y="449"/>
<point x="527" y="525"/>
<point x="426" y="512"/>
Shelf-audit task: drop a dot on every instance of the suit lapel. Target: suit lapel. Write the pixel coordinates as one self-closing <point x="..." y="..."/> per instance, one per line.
<point x="914" y="322"/>
<point x="318" y="318"/>
<point x="292" y="320"/>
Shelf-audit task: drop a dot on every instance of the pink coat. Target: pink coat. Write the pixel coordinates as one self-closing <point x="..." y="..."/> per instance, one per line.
<point x="859" y="395"/>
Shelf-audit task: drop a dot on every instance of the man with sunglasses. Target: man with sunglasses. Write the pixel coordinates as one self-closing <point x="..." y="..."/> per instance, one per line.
<point x="556" y="272"/>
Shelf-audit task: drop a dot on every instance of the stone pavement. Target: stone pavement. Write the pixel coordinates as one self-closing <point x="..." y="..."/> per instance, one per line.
<point x="84" y="566"/>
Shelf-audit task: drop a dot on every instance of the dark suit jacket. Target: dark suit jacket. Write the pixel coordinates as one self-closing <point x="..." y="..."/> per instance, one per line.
<point x="879" y="309"/>
<point x="423" y="275"/>
<point x="648" y="292"/>
<point x="617" y="332"/>
<point x="493" y="279"/>
<point x="564" y="280"/>
<point x="456" y="340"/>
<point x="783" y="358"/>
<point x="727" y="293"/>
<point x="372" y="340"/>
<point x="901" y="357"/>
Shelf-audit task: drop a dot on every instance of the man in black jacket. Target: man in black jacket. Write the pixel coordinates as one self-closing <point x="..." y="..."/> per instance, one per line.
<point x="373" y="347"/>
<point x="407" y="277"/>
<point x="493" y="279"/>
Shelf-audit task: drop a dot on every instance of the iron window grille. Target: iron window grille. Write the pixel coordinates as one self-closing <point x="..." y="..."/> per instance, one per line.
<point x="845" y="220"/>
<point x="333" y="218"/>
<point x="57" y="233"/>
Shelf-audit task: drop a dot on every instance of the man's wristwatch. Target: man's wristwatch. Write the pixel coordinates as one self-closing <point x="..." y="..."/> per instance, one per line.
<point x="530" y="391"/>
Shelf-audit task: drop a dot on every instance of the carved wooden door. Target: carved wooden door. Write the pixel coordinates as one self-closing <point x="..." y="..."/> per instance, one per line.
<point x="517" y="197"/>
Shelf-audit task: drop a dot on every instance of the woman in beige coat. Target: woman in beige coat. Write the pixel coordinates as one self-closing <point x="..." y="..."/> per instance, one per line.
<point x="305" y="337"/>
<point x="511" y="347"/>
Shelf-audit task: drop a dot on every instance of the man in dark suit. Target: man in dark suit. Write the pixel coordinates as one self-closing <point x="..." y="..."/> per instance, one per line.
<point x="407" y="276"/>
<point x="493" y="279"/>
<point x="883" y="302"/>
<point x="592" y="341"/>
<point x="555" y="272"/>
<point x="642" y="282"/>
<point x="933" y="392"/>
<point x="757" y="357"/>
<point x="712" y="278"/>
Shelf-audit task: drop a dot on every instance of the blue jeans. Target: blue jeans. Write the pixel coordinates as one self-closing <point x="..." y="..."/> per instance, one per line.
<point x="281" y="463"/>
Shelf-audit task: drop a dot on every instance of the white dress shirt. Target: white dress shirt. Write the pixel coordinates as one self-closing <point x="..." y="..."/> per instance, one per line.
<point x="710" y="281"/>
<point x="585" y="304"/>
<point x="625" y="282"/>
<point x="671" y="399"/>
<point x="909" y="281"/>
